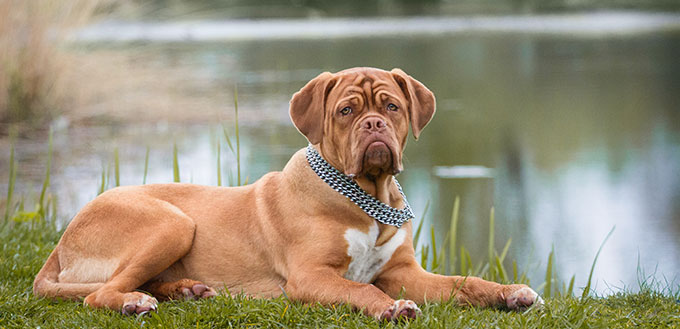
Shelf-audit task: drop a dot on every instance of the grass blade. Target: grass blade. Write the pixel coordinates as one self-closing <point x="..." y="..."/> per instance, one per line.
<point x="453" y="233"/>
<point x="219" y="165"/>
<point x="523" y="278"/>
<point x="547" y="292"/>
<point x="586" y="290"/>
<point x="116" y="166"/>
<point x="10" y="186"/>
<point x="226" y="136"/>
<point x="238" y="142"/>
<point x="146" y="165"/>
<point x="499" y="262"/>
<point x="175" y="164"/>
<point x="492" y="272"/>
<point x="104" y="184"/>
<point x="570" y="289"/>
<point x="424" y="254"/>
<point x="46" y="182"/>
<point x="465" y="261"/>
<point x="53" y="220"/>
<point x="505" y="249"/>
<point x="435" y="261"/>
<point x="481" y="269"/>
<point x="230" y="178"/>
<point x="442" y="257"/>
<point x="416" y="236"/>
<point x="501" y="270"/>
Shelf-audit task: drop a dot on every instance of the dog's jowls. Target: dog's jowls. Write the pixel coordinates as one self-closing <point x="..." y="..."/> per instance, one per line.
<point x="289" y="231"/>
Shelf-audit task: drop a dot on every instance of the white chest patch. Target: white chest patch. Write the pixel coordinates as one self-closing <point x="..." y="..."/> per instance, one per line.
<point x="367" y="258"/>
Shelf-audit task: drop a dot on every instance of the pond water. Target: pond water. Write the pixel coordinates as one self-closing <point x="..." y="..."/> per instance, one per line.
<point x="565" y="135"/>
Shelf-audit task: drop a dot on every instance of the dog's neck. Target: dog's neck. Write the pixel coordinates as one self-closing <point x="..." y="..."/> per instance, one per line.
<point x="381" y="187"/>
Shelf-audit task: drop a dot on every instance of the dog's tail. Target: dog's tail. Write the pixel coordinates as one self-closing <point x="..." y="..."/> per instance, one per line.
<point x="47" y="283"/>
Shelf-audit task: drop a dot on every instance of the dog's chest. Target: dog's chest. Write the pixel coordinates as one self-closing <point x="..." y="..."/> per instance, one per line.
<point x="367" y="258"/>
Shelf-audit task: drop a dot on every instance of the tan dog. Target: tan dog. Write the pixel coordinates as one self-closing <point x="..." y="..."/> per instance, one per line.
<point x="289" y="231"/>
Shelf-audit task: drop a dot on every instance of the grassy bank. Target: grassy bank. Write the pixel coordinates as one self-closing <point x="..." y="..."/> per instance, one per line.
<point x="28" y="234"/>
<point x="26" y="245"/>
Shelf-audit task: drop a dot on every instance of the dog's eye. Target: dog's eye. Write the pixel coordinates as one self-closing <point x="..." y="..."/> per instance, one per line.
<point x="345" y="111"/>
<point x="392" y="107"/>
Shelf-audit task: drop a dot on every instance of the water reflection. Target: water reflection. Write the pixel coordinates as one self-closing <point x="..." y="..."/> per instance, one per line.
<point x="588" y="24"/>
<point x="582" y="135"/>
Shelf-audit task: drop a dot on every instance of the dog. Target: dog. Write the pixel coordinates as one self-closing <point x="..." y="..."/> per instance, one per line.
<point x="295" y="232"/>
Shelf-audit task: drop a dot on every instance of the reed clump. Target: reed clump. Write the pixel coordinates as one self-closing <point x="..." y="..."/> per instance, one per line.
<point x="32" y="56"/>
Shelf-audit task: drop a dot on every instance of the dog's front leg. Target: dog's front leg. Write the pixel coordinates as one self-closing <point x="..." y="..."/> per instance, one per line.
<point x="411" y="281"/>
<point x="327" y="287"/>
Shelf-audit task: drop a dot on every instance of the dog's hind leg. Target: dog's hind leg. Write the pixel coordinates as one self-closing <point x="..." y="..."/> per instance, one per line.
<point x="154" y="250"/>
<point x="116" y="243"/>
<point x="149" y="260"/>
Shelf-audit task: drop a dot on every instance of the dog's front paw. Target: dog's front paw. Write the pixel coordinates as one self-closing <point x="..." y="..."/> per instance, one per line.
<point x="138" y="303"/>
<point x="522" y="298"/>
<point x="401" y="309"/>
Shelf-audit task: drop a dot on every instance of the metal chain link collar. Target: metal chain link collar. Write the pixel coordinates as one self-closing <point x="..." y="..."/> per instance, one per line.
<point x="350" y="189"/>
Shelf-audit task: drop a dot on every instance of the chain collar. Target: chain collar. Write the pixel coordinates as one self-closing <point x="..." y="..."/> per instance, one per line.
<point x="350" y="189"/>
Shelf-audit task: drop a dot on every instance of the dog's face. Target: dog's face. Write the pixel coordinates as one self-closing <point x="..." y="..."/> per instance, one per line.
<point x="363" y="115"/>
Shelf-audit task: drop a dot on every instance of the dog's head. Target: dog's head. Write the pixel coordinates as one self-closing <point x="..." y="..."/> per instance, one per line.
<point x="360" y="117"/>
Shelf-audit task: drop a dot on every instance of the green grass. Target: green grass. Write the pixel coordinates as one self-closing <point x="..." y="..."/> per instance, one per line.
<point x="25" y="247"/>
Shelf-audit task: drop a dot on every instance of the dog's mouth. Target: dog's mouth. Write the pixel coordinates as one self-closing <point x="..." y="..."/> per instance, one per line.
<point x="374" y="156"/>
<point x="377" y="155"/>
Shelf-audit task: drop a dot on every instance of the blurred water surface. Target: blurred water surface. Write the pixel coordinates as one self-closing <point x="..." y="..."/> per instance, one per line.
<point x="573" y="134"/>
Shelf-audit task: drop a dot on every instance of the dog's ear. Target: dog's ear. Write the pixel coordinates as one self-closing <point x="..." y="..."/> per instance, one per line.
<point x="307" y="107"/>
<point x="421" y="100"/>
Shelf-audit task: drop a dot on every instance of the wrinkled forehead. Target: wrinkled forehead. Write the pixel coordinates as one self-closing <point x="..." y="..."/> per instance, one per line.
<point x="368" y="85"/>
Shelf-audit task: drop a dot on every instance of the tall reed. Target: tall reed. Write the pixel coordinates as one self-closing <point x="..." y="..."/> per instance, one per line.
<point x="45" y="206"/>
<point x="32" y="61"/>
<point x="10" y="186"/>
<point x="238" y="143"/>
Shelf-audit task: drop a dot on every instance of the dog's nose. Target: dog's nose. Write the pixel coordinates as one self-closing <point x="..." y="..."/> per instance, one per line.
<point x="374" y="124"/>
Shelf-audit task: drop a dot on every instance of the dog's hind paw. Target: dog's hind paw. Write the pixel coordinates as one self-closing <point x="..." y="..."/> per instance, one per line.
<point x="180" y="289"/>
<point x="197" y="291"/>
<point x="401" y="309"/>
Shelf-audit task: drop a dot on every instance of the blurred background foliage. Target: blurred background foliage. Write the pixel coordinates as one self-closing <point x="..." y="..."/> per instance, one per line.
<point x="38" y="80"/>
